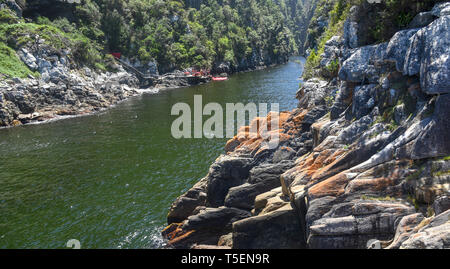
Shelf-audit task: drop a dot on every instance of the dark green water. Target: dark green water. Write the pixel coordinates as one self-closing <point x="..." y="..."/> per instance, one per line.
<point x="108" y="179"/>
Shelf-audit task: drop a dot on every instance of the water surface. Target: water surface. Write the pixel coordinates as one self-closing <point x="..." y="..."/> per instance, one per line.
<point x="108" y="179"/>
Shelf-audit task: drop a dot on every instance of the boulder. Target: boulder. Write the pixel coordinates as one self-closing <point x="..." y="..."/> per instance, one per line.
<point x="427" y="56"/>
<point x="225" y="173"/>
<point x="215" y="219"/>
<point x="262" y="200"/>
<point x="183" y="207"/>
<point x="404" y="229"/>
<point x="204" y="228"/>
<point x="398" y="46"/>
<point x="441" y="205"/>
<point x="28" y="59"/>
<point x="368" y="220"/>
<point x="262" y="178"/>
<point x="279" y="229"/>
<point x="361" y="65"/>
<point x="435" y="235"/>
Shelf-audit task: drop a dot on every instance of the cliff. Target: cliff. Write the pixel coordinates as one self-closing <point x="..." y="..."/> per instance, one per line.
<point x="363" y="162"/>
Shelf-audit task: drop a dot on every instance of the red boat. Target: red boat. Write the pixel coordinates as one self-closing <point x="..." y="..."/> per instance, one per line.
<point x="117" y="55"/>
<point x="219" y="78"/>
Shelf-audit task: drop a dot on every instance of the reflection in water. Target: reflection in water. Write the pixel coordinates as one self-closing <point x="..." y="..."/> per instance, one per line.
<point x="108" y="179"/>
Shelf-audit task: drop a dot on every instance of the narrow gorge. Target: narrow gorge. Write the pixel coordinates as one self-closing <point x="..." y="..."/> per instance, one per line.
<point x="362" y="156"/>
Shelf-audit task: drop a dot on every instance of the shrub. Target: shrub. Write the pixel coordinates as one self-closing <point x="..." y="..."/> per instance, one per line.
<point x="11" y="65"/>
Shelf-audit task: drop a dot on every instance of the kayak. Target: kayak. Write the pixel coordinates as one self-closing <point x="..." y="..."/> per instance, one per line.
<point x="219" y="78"/>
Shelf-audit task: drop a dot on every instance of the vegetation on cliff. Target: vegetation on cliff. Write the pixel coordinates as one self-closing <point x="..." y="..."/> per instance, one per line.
<point x="175" y="34"/>
<point x="377" y="23"/>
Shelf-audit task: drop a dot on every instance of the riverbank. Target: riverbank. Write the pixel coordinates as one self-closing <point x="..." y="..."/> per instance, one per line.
<point x="107" y="179"/>
<point x="363" y="162"/>
<point x="69" y="93"/>
<point x="65" y="73"/>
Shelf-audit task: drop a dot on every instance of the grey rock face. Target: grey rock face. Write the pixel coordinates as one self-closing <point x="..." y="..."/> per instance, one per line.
<point x="317" y="208"/>
<point x="312" y="94"/>
<point x="185" y="205"/>
<point x="351" y="30"/>
<point x="426" y="56"/>
<point x="398" y="46"/>
<point x="262" y="178"/>
<point x="217" y="220"/>
<point x="405" y="229"/>
<point x="363" y="100"/>
<point x="435" y="235"/>
<point x="422" y="19"/>
<point x="369" y="220"/>
<point x="21" y="99"/>
<point x="331" y="51"/>
<point x="441" y="204"/>
<point x="225" y="173"/>
<point x="315" y="114"/>
<point x="432" y="141"/>
<point x="28" y="59"/>
<point x="360" y="66"/>
<point x="442" y="9"/>
<point x="354" y="130"/>
<point x="342" y="101"/>
<point x="279" y="229"/>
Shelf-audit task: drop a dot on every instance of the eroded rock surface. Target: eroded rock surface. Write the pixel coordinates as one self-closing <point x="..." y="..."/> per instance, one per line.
<point x="362" y="162"/>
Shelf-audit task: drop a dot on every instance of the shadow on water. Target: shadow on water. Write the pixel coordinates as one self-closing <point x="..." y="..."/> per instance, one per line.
<point x="108" y="179"/>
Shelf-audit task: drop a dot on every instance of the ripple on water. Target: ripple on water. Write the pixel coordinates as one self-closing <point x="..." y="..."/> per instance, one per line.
<point x="108" y="179"/>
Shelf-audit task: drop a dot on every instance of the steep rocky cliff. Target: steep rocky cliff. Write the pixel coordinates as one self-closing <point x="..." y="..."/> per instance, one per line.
<point x="363" y="162"/>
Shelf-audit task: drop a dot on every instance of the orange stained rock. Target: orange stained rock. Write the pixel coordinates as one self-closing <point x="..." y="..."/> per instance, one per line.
<point x="336" y="154"/>
<point x="232" y="144"/>
<point x="282" y="118"/>
<point x="333" y="186"/>
<point x="369" y="184"/>
<point x="261" y="150"/>
<point x="250" y="137"/>
<point x="181" y="237"/>
<point x="326" y="170"/>
<point x="256" y="124"/>
<point x="319" y="161"/>
<point x="250" y="145"/>
<point x="173" y="230"/>
<point x="299" y="118"/>
<point x="16" y="123"/>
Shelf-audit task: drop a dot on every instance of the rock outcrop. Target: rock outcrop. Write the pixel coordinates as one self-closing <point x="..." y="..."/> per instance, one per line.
<point x="363" y="162"/>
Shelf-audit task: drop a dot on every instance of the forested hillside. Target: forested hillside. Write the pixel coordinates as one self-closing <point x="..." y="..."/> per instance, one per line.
<point x="174" y="34"/>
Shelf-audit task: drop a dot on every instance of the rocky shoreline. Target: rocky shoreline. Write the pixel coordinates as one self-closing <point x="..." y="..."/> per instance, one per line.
<point x="363" y="162"/>
<point x="63" y="91"/>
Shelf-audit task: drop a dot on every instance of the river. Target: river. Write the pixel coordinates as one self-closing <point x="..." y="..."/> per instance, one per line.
<point x="108" y="179"/>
